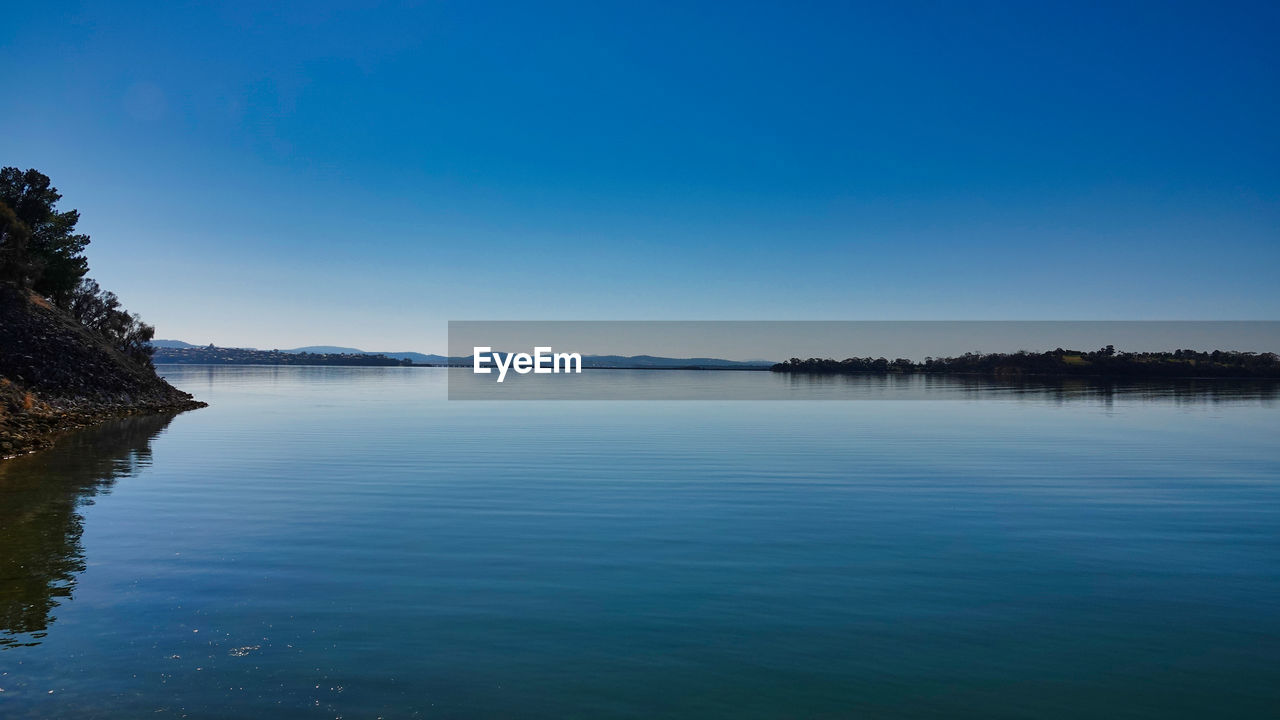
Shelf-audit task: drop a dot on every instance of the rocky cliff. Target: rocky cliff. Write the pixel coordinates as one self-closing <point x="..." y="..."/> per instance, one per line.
<point x="56" y="375"/>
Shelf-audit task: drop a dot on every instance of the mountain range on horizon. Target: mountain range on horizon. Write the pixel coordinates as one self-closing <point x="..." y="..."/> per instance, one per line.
<point x="631" y="361"/>
<point x="415" y="357"/>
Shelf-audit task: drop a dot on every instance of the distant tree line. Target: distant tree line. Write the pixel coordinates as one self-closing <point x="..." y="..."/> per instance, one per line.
<point x="212" y="355"/>
<point x="1106" y="361"/>
<point x="41" y="252"/>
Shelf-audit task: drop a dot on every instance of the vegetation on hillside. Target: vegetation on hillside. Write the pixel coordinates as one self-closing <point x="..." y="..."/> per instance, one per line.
<point x="41" y="252"/>
<point x="1106" y="361"/>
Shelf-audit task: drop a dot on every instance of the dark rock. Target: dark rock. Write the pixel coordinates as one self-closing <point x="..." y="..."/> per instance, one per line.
<point x="56" y="375"/>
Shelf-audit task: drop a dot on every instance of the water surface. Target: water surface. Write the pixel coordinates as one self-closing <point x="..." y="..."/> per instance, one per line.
<point x="344" y="542"/>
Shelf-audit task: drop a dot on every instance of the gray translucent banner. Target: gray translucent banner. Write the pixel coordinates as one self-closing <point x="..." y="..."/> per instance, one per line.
<point x="734" y="360"/>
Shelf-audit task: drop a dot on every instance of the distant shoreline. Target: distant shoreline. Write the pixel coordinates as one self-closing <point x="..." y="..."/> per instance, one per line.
<point x="458" y="366"/>
<point x="1106" y="363"/>
<point x="759" y="369"/>
<point x="213" y="355"/>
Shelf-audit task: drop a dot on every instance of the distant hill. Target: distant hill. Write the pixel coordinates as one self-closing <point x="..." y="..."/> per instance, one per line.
<point x="416" y="358"/>
<point x="651" y="361"/>
<point x="177" y="351"/>
<point x="328" y="349"/>
<point x="211" y="355"/>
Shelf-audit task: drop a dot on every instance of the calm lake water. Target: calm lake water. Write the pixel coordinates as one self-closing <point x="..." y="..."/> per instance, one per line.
<point x="329" y="542"/>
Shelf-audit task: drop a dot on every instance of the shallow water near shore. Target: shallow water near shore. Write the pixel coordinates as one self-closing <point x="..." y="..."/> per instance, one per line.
<point x="345" y="542"/>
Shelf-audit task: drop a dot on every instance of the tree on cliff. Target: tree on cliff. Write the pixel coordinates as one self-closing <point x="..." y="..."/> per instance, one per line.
<point x="100" y="310"/>
<point x="40" y="251"/>
<point x="15" y="265"/>
<point x="54" y="252"/>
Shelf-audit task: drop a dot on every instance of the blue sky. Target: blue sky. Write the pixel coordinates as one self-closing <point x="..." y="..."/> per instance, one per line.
<point x="308" y="173"/>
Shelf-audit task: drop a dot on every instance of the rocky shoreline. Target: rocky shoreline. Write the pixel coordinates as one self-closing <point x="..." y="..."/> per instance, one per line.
<point x="57" y="376"/>
<point x="39" y="427"/>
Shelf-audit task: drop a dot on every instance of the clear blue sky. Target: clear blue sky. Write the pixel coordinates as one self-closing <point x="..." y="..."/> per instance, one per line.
<point x="309" y="174"/>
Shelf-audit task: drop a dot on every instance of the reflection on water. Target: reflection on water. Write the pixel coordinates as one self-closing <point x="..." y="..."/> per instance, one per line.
<point x="325" y="542"/>
<point x="600" y="384"/>
<point x="40" y="526"/>
<point x="979" y="387"/>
